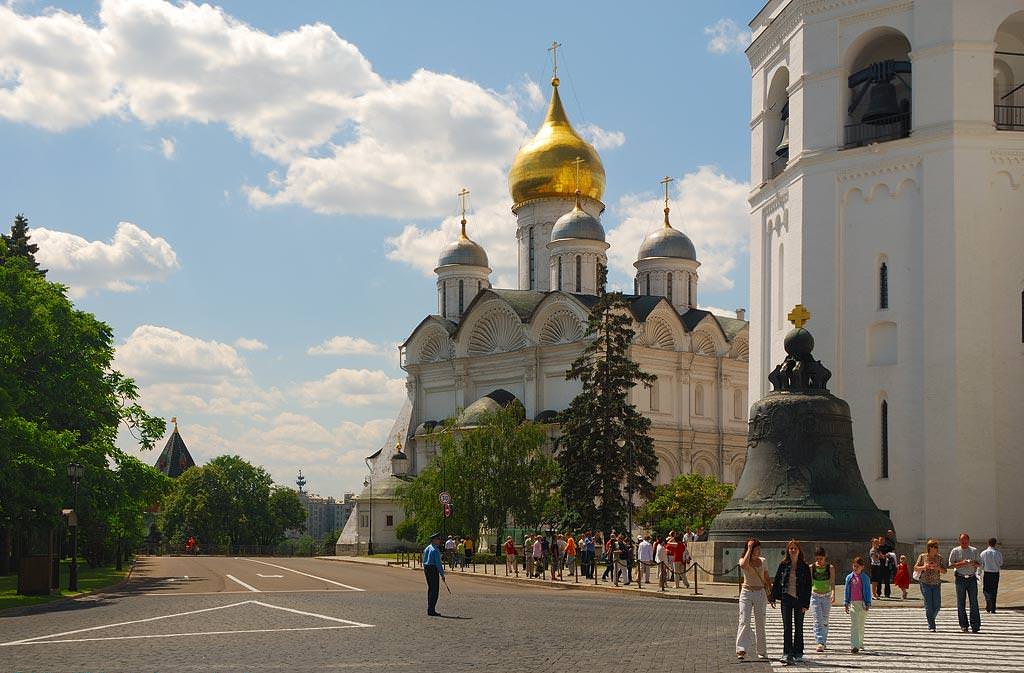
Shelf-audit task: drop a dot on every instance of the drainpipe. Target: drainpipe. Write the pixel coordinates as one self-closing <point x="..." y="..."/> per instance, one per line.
<point x="721" y="434"/>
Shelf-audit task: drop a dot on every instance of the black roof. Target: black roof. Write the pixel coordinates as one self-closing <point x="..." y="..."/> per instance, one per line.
<point x="175" y="458"/>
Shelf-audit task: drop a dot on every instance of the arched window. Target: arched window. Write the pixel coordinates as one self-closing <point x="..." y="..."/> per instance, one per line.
<point x="479" y="285"/>
<point x="559" y="285"/>
<point x="878" y="91"/>
<point x="461" y="306"/>
<point x="654" y="396"/>
<point x="648" y="285"/>
<point x="444" y="298"/>
<point x="883" y="285"/>
<point x="737" y="404"/>
<point x="884" y="445"/>
<point x="533" y="273"/>
<point x="636" y="284"/>
<point x="689" y="290"/>
<point x="669" y="288"/>
<point x="579" y="273"/>
<point x="1008" y="74"/>
<point x="698" y="400"/>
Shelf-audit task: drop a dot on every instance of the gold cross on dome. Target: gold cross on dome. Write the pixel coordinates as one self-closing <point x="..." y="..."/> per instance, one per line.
<point x="578" y="161"/>
<point x="554" y="58"/>
<point x="799" y="316"/>
<point x="666" y="181"/>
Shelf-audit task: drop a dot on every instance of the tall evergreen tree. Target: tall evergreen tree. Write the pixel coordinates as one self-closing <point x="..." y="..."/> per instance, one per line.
<point x="20" y="245"/>
<point x="598" y="474"/>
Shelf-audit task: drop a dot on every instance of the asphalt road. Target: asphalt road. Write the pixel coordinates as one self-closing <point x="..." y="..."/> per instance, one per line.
<point x="270" y="614"/>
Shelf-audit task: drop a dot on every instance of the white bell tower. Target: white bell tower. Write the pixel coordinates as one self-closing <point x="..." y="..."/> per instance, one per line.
<point x="887" y="155"/>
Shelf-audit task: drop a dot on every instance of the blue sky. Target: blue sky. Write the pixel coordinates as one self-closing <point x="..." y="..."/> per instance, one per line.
<point x="287" y="173"/>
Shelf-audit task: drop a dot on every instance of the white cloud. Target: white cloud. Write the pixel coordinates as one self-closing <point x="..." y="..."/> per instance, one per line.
<point x="351" y="387"/>
<point x="346" y="345"/>
<point x="347" y="141"/>
<point x="493" y="226"/>
<point x="168" y="148"/>
<point x="717" y="310"/>
<point x="602" y="139"/>
<point x="154" y="352"/>
<point x="708" y="206"/>
<point x="727" y="36"/>
<point x="132" y="258"/>
<point x="247" y="344"/>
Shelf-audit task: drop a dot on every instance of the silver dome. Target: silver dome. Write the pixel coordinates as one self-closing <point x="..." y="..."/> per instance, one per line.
<point x="463" y="251"/>
<point x="667" y="242"/>
<point x="577" y="223"/>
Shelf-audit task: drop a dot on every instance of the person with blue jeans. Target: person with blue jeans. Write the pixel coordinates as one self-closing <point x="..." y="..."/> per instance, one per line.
<point x="929" y="568"/>
<point x="823" y="595"/>
<point x="965" y="563"/>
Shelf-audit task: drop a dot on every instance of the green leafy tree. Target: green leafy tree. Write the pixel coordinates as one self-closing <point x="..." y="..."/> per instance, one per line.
<point x="60" y="401"/>
<point x="286" y="513"/>
<point x="598" y="473"/>
<point x="688" y="501"/>
<point x="20" y="245"/>
<point x="495" y="471"/>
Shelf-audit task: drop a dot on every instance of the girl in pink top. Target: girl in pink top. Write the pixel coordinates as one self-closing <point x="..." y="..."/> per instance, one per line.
<point x="857" y="604"/>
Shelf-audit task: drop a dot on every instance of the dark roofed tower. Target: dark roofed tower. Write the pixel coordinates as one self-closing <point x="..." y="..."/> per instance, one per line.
<point x="175" y="458"/>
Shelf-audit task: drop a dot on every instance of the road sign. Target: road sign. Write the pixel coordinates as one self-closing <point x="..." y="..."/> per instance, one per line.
<point x="445" y="497"/>
<point x="447" y="510"/>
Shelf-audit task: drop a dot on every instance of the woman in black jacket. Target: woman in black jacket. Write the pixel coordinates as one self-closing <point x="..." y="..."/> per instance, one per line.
<point x="792" y="586"/>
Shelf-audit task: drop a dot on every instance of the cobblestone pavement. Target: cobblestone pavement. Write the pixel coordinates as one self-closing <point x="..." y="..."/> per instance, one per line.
<point x="210" y="614"/>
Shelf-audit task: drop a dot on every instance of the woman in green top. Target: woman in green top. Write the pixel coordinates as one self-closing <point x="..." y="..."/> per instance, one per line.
<point x="823" y="595"/>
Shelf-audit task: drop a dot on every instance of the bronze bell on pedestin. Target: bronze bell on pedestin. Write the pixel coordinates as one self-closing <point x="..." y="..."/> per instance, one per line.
<point x="801" y="477"/>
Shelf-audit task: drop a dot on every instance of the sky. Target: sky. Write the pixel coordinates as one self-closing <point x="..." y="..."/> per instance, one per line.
<point x="253" y="194"/>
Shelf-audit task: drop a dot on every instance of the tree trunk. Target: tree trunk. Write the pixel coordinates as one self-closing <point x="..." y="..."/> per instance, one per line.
<point x="5" y="551"/>
<point x="119" y="556"/>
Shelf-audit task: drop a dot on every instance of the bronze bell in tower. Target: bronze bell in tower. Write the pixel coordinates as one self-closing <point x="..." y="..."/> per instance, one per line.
<point x="782" y="149"/>
<point x="801" y="479"/>
<point x="882" y="104"/>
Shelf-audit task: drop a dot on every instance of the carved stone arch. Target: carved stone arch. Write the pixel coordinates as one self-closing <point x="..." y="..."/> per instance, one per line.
<point x="668" y="467"/>
<point x="560" y="326"/>
<point x="741" y="349"/>
<point x="435" y="346"/>
<point x="496" y="330"/>
<point x="703" y="343"/>
<point x="656" y="333"/>
<point x="734" y="468"/>
<point x="704" y="463"/>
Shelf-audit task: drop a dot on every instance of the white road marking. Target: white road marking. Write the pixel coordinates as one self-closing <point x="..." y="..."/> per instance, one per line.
<point x="58" y="637"/>
<point x="312" y="614"/>
<point x="262" y="575"/>
<point x="299" y="572"/>
<point x="179" y="594"/>
<point x="134" y="621"/>
<point x="247" y="586"/>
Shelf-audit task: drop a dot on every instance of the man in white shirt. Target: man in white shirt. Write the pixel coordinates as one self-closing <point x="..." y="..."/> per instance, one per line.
<point x="965" y="564"/>
<point x="645" y="553"/>
<point x="449" y="551"/>
<point x="991" y="562"/>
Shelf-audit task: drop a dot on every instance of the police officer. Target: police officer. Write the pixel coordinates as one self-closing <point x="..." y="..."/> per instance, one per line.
<point x="433" y="569"/>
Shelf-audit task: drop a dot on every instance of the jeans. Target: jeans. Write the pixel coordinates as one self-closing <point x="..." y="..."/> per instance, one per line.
<point x="821" y="605"/>
<point x="793" y="626"/>
<point x="932" y="595"/>
<point x="753" y="603"/>
<point x="990" y="586"/>
<point x="433" y="587"/>
<point x="967" y="587"/>
<point x="858" y="614"/>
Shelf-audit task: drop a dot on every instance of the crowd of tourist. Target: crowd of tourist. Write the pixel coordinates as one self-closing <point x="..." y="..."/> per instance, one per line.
<point x="799" y="586"/>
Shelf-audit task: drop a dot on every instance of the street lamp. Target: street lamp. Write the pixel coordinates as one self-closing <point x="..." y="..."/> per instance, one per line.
<point x="75" y="473"/>
<point x="368" y="482"/>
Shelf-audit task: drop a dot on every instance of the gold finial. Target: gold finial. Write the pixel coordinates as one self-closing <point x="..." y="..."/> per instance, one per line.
<point x="463" y="198"/>
<point x="398" y="443"/>
<point x="554" y="62"/>
<point x="666" y="181"/>
<point x="174" y="419"/>
<point x="577" y="162"/>
<point x="799" y="316"/>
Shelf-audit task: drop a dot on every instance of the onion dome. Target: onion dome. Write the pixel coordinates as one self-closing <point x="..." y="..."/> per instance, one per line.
<point x="543" y="167"/>
<point x="667" y="242"/>
<point x="463" y="251"/>
<point x="578" y="223"/>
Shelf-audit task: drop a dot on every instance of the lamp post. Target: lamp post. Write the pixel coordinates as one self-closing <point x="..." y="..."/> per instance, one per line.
<point x="75" y="473"/>
<point x="368" y="482"/>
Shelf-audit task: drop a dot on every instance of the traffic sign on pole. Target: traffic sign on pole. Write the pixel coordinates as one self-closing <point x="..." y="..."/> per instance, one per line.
<point x="444" y="497"/>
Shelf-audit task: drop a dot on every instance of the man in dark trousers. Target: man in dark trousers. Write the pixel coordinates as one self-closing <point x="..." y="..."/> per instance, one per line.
<point x="433" y="569"/>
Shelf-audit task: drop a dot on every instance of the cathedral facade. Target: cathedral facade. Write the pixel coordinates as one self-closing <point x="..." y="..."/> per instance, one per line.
<point x="887" y="147"/>
<point x="484" y="345"/>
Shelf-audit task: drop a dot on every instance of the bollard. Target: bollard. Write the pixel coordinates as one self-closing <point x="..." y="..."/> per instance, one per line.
<point x="696" y="591"/>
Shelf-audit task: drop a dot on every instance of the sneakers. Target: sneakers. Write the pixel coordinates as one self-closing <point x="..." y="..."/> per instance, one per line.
<point x="963" y="629"/>
<point x="854" y="650"/>
<point x="820" y="648"/>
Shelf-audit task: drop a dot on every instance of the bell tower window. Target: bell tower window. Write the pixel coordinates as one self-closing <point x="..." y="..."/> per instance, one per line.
<point x="883" y="285"/>
<point x="878" y="90"/>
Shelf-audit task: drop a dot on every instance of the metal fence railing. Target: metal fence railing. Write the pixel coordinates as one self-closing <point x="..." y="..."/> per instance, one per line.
<point x="880" y="130"/>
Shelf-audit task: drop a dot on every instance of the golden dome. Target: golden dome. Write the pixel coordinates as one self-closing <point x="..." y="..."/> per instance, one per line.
<point x="544" y="166"/>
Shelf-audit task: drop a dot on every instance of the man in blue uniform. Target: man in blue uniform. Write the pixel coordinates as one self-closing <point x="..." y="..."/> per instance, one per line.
<point x="433" y="569"/>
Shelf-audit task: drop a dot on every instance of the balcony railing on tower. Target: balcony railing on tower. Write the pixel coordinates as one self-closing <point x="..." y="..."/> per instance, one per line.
<point x="879" y="130"/>
<point x="1009" y="111"/>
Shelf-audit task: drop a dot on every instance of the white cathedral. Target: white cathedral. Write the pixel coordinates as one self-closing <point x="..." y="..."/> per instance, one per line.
<point x="486" y="345"/>
<point x="887" y="158"/>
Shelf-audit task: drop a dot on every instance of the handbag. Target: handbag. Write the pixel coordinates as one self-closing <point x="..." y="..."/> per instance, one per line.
<point x="917" y="575"/>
